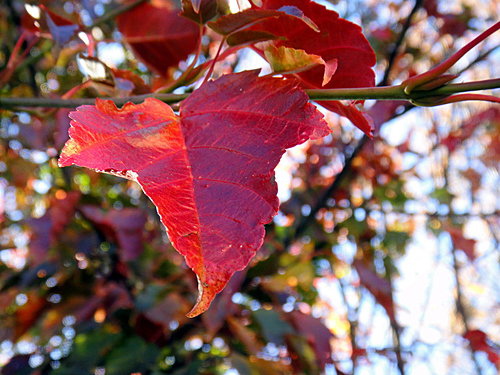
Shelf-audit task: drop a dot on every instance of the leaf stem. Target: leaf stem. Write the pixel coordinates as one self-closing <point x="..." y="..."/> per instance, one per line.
<point x="398" y="93"/>
<point x="415" y="81"/>
<point x="363" y="93"/>
<point x="72" y="103"/>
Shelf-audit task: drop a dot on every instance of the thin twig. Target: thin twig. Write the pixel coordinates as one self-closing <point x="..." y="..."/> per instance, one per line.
<point x="353" y="323"/>
<point x="399" y="42"/>
<point x="396" y="331"/>
<point x="461" y="307"/>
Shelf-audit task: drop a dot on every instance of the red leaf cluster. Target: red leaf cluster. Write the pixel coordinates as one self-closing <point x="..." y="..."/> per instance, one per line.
<point x="337" y="39"/>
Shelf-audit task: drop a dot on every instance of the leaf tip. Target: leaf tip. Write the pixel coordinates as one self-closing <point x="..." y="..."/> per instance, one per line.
<point x="330" y="69"/>
<point x="196" y="5"/>
<point x="205" y="298"/>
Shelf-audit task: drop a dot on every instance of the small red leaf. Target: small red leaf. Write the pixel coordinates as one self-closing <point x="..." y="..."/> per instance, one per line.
<point x="210" y="171"/>
<point x="462" y="243"/>
<point x="158" y="35"/>
<point x="479" y="342"/>
<point x="287" y="60"/>
<point x="231" y="23"/>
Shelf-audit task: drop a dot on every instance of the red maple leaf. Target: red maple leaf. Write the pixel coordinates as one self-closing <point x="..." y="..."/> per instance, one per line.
<point x="158" y="35"/>
<point x="337" y="39"/>
<point x="209" y="171"/>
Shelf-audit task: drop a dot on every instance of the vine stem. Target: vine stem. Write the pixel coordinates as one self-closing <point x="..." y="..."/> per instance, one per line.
<point x="364" y="93"/>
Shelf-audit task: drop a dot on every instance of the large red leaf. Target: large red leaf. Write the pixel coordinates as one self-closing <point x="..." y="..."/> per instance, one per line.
<point x="338" y="39"/>
<point x="210" y="170"/>
<point x="158" y="35"/>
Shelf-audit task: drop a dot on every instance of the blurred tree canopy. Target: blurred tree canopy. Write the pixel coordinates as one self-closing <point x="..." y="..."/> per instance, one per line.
<point x="383" y="258"/>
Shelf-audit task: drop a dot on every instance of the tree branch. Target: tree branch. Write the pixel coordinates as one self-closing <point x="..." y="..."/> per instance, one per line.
<point x="363" y="93"/>
<point x="461" y="310"/>
<point x="72" y="103"/>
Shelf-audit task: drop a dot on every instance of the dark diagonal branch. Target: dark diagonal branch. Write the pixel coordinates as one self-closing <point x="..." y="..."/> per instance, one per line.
<point x="399" y="42"/>
<point x="460" y="306"/>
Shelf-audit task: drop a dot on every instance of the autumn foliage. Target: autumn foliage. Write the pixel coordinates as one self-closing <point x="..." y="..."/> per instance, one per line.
<point x="142" y="225"/>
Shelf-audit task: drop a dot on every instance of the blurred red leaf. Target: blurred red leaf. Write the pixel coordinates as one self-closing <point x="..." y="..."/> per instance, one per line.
<point x="46" y="229"/>
<point x="140" y="87"/>
<point x="109" y="296"/>
<point x="454" y="24"/>
<point x="383" y="110"/>
<point x="457" y="137"/>
<point x="479" y="341"/>
<point x="316" y="333"/>
<point x="246" y="335"/>
<point x="380" y="288"/>
<point x="158" y="35"/>
<point x="171" y="308"/>
<point x="210" y="171"/>
<point x="124" y="227"/>
<point x="362" y="120"/>
<point x="50" y="23"/>
<point x="462" y="243"/>
<point x="27" y="314"/>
